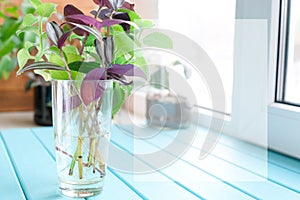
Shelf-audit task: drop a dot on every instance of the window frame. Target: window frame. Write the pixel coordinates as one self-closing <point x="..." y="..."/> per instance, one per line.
<point x="283" y="116"/>
<point x="282" y="57"/>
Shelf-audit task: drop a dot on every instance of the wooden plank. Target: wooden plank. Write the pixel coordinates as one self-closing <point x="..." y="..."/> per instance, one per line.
<point x="274" y="173"/>
<point x="114" y="188"/>
<point x="164" y="186"/>
<point x="291" y="164"/>
<point x="226" y="171"/>
<point x="10" y="187"/>
<point x="166" y="189"/>
<point x="189" y="176"/>
<point x="35" y="168"/>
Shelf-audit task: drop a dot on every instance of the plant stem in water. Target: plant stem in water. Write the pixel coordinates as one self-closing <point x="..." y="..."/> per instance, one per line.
<point x="80" y="167"/>
<point x="92" y="151"/>
<point x="96" y="154"/>
<point x="73" y="162"/>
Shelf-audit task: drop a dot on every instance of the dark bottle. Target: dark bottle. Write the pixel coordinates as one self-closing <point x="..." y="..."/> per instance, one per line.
<point x="43" y="105"/>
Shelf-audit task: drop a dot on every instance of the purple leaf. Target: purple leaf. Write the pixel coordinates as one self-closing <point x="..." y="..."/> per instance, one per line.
<point x="108" y="49"/>
<point x="63" y="39"/>
<point x="92" y="90"/>
<point x="72" y="10"/>
<point x="54" y="32"/>
<point x="98" y="2"/>
<point x="123" y="16"/>
<point x="128" y="5"/>
<point x="104" y="13"/>
<point x="83" y="19"/>
<point x="88" y="29"/>
<point x="127" y="70"/>
<point x="87" y="20"/>
<point x="71" y="102"/>
<point x="99" y="49"/>
<point x="111" y="22"/>
<point x="96" y="74"/>
<point x="102" y="3"/>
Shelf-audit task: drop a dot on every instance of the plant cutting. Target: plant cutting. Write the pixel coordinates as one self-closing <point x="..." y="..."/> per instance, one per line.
<point x="89" y="58"/>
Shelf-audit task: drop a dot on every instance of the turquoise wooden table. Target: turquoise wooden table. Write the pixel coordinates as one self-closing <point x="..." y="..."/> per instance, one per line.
<point x="28" y="171"/>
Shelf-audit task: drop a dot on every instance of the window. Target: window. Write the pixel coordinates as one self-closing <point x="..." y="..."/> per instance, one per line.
<point x="284" y="113"/>
<point x="211" y="24"/>
<point x="288" y="80"/>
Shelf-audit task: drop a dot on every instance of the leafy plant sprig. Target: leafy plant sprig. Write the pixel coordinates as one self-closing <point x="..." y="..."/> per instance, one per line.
<point x="107" y="38"/>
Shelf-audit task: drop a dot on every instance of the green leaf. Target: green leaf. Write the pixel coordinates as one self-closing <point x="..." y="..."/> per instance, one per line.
<point x="44" y="73"/>
<point x="73" y="35"/>
<point x="90" y="40"/>
<point x="63" y="75"/>
<point x="13" y="10"/>
<point x="55" y="75"/>
<point x="90" y="53"/>
<point x="29" y="20"/>
<point x="23" y="56"/>
<point x="11" y="65"/>
<point x="6" y="47"/>
<point x="40" y="65"/>
<point x="27" y="7"/>
<point x="54" y="58"/>
<point x="28" y="45"/>
<point x="71" y="53"/>
<point x="83" y="67"/>
<point x="46" y="9"/>
<point x="9" y="28"/>
<point x="121" y="59"/>
<point x="127" y="89"/>
<point x="132" y="15"/>
<point x="54" y="49"/>
<point x="6" y="75"/>
<point x="70" y="50"/>
<point x="158" y="39"/>
<point x="2" y="15"/>
<point x="144" y="24"/>
<point x="141" y="62"/>
<point x="123" y="44"/>
<point x="118" y="98"/>
<point x="7" y="64"/>
<point x="35" y="3"/>
<point x="29" y="30"/>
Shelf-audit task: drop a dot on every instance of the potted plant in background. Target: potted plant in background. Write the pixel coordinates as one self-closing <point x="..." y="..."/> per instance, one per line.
<point x="89" y="59"/>
<point x="11" y="40"/>
<point x="42" y="99"/>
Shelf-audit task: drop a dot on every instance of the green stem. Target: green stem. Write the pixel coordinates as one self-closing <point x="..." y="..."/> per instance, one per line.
<point x="41" y="45"/>
<point x="71" y="170"/>
<point x="67" y="66"/>
<point x="83" y="43"/>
